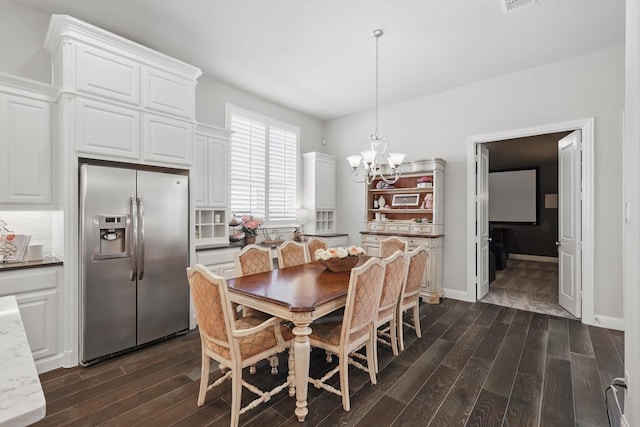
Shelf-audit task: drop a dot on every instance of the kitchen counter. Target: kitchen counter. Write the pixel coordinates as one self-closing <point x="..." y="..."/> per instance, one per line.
<point x="45" y="262"/>
<point x="326" y="235"/>
<point x="21" y="398"/>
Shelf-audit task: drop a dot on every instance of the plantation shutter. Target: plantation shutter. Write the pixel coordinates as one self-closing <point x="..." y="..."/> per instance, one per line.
<point x="283" y="154"/>
<point x="248" y="165"/>
<point x="263" y="168"/>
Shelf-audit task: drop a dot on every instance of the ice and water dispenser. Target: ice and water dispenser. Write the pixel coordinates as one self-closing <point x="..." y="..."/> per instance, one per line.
<point x="112" y="232"/>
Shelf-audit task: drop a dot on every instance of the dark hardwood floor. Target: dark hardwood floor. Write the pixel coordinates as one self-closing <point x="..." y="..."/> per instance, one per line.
<point x="476" y="365"/>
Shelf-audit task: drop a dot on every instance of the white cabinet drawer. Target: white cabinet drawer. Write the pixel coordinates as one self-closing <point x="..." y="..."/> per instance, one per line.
<point x="421" y="228"/>
<point x="167" y="140"/>
<point x="168" y="93"/>
<point x="368" y="238"/>
<point x="402" y="228"/>
<point x="107" y="130"/>
<point x="106" y="74"/>
<point x="216" y="256"/>
<point x="374" y="226"/>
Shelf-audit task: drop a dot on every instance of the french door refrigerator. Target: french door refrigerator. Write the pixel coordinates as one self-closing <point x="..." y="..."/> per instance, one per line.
<point x="134" y="248"/>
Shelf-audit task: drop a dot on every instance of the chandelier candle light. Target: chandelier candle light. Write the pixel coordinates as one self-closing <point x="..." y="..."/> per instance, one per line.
<point x="371" y="159"/>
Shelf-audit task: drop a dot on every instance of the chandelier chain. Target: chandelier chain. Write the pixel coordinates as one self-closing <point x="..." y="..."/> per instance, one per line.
<point x="377" y="36"/>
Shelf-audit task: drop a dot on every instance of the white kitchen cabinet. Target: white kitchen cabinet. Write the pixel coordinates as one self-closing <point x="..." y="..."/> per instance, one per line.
<point x="168" y="93"/>
<point x="167" y="140"/>
<point x="219" y="261"/>
<point x="211" y="171"/>
<point x="124" y="100"/>
<point x="106" y="129"/>
<point x="26" y="169"/>
<point x="320" y="192"/>
<point x="39" y="297"/>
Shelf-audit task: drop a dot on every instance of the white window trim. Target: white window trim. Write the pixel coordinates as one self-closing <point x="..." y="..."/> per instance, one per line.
<point x="269" y="121"/>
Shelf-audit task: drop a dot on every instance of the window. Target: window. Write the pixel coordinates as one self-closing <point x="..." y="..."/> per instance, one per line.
<point x="264" y="167"/>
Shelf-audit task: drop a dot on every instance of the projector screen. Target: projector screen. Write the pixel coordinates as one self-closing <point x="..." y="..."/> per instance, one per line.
<point x="513" y="196"/>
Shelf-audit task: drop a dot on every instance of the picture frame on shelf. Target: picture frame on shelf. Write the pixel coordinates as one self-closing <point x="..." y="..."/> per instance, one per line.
<point x="405" y="200"/>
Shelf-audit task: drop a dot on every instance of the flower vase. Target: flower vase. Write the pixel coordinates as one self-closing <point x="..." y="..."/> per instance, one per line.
<point x="249" y="240"/>
<point x="341" y="264"/>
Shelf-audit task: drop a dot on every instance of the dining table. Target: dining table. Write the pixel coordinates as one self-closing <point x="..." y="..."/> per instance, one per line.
<point x="299" y="294"/>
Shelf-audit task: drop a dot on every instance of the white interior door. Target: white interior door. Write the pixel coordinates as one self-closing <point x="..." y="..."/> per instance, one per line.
<point x="482" y="221"/>
<point x="569" y="223"/>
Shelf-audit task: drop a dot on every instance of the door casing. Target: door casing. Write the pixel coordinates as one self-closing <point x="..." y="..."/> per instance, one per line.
<point x="587" y="211"/>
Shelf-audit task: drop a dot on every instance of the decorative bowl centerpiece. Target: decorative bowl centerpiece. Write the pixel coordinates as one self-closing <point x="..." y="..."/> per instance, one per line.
<point x="339" y="259"/>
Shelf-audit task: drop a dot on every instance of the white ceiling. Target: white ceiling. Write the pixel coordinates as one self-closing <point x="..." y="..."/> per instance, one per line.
<point x="318" y="56"/>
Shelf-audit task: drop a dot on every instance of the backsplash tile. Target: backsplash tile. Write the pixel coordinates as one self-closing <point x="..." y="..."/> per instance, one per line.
<point x="36" y="223"/>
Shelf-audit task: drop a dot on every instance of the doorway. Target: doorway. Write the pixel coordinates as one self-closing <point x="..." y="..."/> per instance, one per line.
<point x="523" y="255"/>
<point x="475" y="270"/>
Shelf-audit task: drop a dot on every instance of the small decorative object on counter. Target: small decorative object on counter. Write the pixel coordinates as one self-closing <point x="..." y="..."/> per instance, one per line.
<point x="250" y="226"/>
<point x="235" y="236"/>
<point x="339" y="259"/>
<point x="381" y="202"/>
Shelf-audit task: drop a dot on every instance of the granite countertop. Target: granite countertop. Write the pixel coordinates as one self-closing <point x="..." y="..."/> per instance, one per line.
<point x="47" y="261"/>
<point x="21" y="398"/>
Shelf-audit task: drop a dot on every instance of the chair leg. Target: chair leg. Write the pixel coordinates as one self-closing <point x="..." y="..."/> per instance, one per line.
<point x="328" y="356"/>
<point x="252" y="369"/>
<point x="372" y="358"/>
<point x="400" y="334"/>
<point x="274" y="362"/>
<point x="374" y="341"/>
<point x="291" y="378"/>
<point x="204" y="377"/>
<point x="236" y="394"/>
<point x="394" y="336"/>
<point x="344" y="381"/>
<point x="416" y="320"/>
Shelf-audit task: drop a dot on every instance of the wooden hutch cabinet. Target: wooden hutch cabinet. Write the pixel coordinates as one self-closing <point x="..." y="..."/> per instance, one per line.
<point x="412" y="210"/>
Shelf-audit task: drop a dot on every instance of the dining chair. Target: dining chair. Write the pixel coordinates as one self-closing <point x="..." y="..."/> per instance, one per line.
<point x="410" y="298"/>
<point x="354" y="331"/>
<point x="234" y="344"/>
<point x="254" y="259"/>
<point x="292" y="253"/>
<point x="395" y="275"/>
<point x="390" y="245"/>
<point x="313" y="244"/>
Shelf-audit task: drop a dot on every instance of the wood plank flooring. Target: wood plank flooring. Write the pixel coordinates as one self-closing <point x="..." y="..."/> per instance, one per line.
<point x="476" y="365"/>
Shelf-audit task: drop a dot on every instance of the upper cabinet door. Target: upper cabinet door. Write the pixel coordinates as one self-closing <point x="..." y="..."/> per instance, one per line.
<point x="199" y="181"/>
<point x="25" y="151"/>
<point x="326" y="184"/>
<point x="218" y="172"/>
<point x="167" y="140"/>
<point x="106" y="74"/>
<point x="168" y="93"/>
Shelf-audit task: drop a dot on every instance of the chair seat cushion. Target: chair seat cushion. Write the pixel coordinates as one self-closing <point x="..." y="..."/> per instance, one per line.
<point x="328" y="332"/>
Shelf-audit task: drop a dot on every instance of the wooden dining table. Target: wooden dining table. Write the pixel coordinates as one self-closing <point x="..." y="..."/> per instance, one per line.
<point x="300" y="294"/>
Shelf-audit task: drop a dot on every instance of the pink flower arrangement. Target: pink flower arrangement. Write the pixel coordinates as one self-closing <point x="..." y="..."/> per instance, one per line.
<point x="250" y="225"/>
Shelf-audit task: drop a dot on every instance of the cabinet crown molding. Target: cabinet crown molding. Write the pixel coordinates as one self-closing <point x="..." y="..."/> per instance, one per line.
<point x="28" y="88"/>
<point x="63" y="28"/>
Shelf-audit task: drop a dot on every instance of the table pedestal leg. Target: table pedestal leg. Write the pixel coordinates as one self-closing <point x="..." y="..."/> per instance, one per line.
<point x="302" y="350"/>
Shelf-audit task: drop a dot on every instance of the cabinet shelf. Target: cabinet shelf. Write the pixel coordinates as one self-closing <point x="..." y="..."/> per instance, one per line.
<point x="408" y="210"/>
<point x="402" y="190"/>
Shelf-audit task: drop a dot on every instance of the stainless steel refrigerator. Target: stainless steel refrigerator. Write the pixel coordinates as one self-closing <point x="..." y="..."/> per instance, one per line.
<point x="134" y="249"/>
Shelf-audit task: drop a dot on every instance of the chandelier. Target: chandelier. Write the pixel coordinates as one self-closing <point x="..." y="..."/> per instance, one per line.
<point x="371" y="159"/>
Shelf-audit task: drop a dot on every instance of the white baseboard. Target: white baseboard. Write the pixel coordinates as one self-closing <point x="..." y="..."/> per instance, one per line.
<point x="608" y="322"/>
<point x="457" y="295"/>
<point x="538" y="258"/>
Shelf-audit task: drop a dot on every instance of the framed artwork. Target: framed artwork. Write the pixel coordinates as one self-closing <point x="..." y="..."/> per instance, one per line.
<point x="405" y="200"/>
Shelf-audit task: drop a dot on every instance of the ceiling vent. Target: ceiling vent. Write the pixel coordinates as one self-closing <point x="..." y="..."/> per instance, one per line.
<point x="511" y="5"/>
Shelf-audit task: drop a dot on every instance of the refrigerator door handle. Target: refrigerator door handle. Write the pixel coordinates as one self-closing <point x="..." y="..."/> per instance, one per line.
<point x="133" y="232"/>
<point x="141" y="237"/>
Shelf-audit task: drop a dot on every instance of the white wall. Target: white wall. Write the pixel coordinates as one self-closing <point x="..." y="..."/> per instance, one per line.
<point x="440" y="126"/>
<point x="22" y="32"/>
<point x="631" y="245"/>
